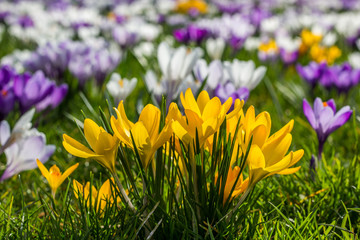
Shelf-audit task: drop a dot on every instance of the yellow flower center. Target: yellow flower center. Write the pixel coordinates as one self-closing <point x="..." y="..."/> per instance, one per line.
<point x="121" y="83"/>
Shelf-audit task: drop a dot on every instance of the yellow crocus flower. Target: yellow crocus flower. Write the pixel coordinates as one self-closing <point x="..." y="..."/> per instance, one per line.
<point x="104" y="145"/>
<point x="269" y="158"/>
<point x="101" y="198"/>
<point x="309" y="39"/>
<point x="145" y="132"/>
<point x="256" y="127"/>
<point x="184" y="6"/>
<point x="269" y="46"/>
<point x="54" y="176"/>
<point x="203" y="115"/>
<point x="321" y="54"/>
<point x="240" y="187"/>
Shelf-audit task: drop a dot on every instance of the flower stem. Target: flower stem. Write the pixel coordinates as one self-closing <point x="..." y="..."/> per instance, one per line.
<point x="123" y="193"/>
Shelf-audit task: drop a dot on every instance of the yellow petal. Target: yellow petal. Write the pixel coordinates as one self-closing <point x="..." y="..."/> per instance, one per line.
<point x="150" y="117"/>
<point x="212" y="109"/>
<point x="163" y="137"/>
<point x="276" y="149"/>
<point x="77" y="149"/>
<point x="181" y="133"/>
<point x="238" y="105"/>
<point x="44" y="171"/>
<point x="189" y="102"/>
<point x="142" y="142"/>
<point x="256" y="163"/>
<point x="289" y="171"/>
<point x="104" y="195"/>
<point x="256" y="158"/>
<point x="125" y="121"/>
<point x="120" y="131"/>
<point x="202" y="100"/>
<point x="297" y="156"/>
<point x="78" y="188"/>
<point x="281" y="164"/>
<point x="227" y="104"/>
<point x="91" y="132"/>
<point x="66" y="174"/>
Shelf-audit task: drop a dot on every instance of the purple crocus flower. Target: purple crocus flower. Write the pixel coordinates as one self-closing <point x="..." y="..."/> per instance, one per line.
<point x="25" y="21"/>
<point x="312" y="72"/>
<point x="7" y="97"/>
<point x="192" y="33"/>
<point x="324" y="119"/>
<point x="224" y="91"/>
<point x="31" y="90"/>
<point x="38" y="91"/>
<point x="288" y="57"/>
<point x="181" y="35"/>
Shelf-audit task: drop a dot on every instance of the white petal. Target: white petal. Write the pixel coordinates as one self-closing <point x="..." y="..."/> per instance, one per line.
<point x="164" y="56"/>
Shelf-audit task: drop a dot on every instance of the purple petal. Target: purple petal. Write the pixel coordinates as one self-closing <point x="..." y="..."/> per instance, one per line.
<point x="309" y="114"/>
<point x="340" y="118"/>
<point x="325" y="117"/>
<point x="331" y="103"/>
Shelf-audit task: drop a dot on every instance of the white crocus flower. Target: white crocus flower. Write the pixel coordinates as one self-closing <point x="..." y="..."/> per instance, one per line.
<point x="176" y="65"/>
<point x="244" y="73"/>
<point x="215" y="47"/>
<point x="354" y="60"/>
<point x="120" y="88"/>
<point x="21" y="130"/>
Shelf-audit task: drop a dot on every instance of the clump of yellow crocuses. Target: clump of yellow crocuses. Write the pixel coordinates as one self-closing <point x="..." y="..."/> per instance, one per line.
<point x="213" y="146"/>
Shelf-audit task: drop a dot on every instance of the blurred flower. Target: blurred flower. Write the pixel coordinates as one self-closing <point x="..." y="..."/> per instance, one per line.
<point x="22" y="148"/>
<point x="7" y="96"/>
<point x="312" y="72"/>
<point x="320" y="54"/>
<point x="124" y="37"/>
<point x="120" y="88"/>
<point x="215" y="48"/>
<point x="227" y="90"/>
<point x="100" y="198"/>
<point x="191" y="6"/>
<point x="309" y="39"/>
<point x="54" y="176"/>
<point x="324" y="119"/>
<point x="145" y="132"/>
<point x="38" y="91"/>
<point x="289" y="49"/>
<point x="22" y="129"/>
<point x="268" y="51"/>
<point x="84" y="60"/>
<point x="191" y="33"/>
<point x="104" y="145"/>
<point x="175" y="65"/>
<point x="244" y="73"/>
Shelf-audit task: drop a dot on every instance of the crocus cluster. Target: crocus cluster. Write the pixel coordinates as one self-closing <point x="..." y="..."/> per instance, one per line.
<point x="84" y="61"/>
<point x="340" y="77"/>
<point x="28" y="90"/>
<point x="202" y="119"/>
